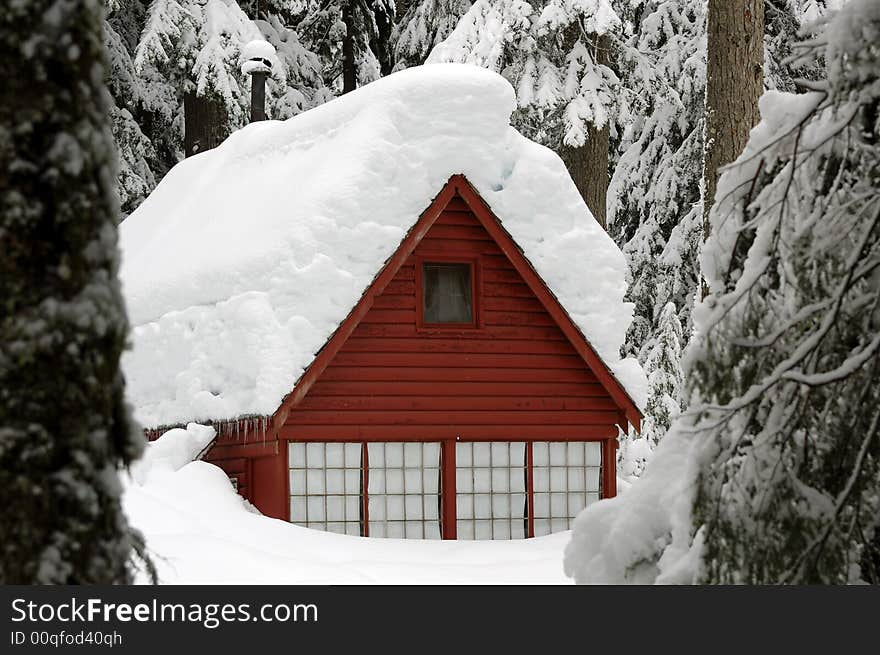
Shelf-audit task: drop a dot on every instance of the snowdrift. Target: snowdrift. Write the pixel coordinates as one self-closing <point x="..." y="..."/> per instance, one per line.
<point x="199" y="531"/>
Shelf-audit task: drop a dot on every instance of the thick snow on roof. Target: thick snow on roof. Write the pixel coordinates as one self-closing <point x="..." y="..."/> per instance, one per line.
<point x="245" y="259"/>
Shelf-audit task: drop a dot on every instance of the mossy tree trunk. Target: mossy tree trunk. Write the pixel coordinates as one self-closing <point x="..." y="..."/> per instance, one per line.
<point x="65" y="429"/>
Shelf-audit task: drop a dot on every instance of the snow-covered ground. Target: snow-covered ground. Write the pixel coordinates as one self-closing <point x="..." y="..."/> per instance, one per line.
<point x="199" y="531"/>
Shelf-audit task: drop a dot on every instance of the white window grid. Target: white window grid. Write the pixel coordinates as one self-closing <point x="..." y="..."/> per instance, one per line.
<point x="491" y="493"/>
<point x="403" y="490"/>
<point x="326" y="486"/>
<point x="404" y="487"/>
<point x="566" y="478"/>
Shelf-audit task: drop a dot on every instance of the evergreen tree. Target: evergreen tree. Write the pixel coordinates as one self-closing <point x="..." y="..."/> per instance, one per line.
<point x="65" y="429"/>
<point x="127" y="19"/>
<point x="424" y="24"/>
<point x="654" y="197"/>
<point x="135" y="180"/>
<point x="352" y="38"/>
<point x="654" y="202"/>
<point x="786" y="23"/>
<point x="772" y="474"/>
<point x="296" y="84"/>
<point x="189" y="54"/>
<point x="189" y="58"/>
<point x="654" y="209"/>
<point x="665" y="378"/>
<point x="137" y="157"/>
<point x="168" y="52"/>
<point x="665" y="387"/>
<point x="556" y="55"/>
<point x="197" y="45"/>
<point x="786" y="370"/>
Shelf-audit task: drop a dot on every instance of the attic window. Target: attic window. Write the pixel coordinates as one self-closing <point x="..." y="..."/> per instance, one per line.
<point x="447" y="293"/>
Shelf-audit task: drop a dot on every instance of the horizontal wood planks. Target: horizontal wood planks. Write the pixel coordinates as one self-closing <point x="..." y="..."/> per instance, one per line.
<point x="395" y="432"/>
<point x="514" y="376"/>
<point x="457" y="416"/>
<point x="462" y="374"/>
<point x="457" y="389"/>
<point x="427" y="403"/>
<point x="438" y="344"/>
<point x="455" y="359"/>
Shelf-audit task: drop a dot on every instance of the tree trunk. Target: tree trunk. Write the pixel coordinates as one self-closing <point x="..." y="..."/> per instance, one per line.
<point x="64" y="425"/>
<point x="588" y="164"/>
<point x="205" y="124"/>
<point x="349" y="66"/>
<point x="734" y="82"/>
<point x="382" y="44"/>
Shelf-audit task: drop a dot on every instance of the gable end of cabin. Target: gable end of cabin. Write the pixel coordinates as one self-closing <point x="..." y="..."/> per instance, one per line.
<point x="452" y="402"/>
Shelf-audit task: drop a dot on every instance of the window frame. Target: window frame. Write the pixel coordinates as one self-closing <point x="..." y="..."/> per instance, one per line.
<point x="447" y="490"/>
<point x="474" y="264"/>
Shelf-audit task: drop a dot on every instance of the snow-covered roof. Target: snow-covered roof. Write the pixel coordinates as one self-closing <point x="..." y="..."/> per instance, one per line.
<point x="244" y="260"/>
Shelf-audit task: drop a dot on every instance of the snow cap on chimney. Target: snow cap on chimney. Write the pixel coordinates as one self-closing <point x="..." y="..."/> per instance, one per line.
<point x="258" y="57"/>
<point x="258" y="60"/>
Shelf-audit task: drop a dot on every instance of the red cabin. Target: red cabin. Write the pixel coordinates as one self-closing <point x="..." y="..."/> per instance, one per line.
<point x="456" y="400"/>
<point x="453" y="394"/>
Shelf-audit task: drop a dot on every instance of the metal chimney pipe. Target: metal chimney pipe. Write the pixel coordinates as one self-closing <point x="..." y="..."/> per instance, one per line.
<point x="258" y="96"/>
<point x="257" y="62"/>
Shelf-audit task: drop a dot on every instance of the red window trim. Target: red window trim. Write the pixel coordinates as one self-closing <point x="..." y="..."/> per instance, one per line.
<point x="365" y="485"/>
<point x="446" y="258"/>
<point x="530" y="487"/>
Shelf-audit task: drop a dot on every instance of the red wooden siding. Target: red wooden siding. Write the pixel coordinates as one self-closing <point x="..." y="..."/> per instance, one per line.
<point x="256" y="462"/>
<point x="514" y="377"/>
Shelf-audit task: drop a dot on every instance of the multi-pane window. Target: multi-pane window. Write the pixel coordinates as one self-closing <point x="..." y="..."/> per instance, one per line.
<point x="490" y="490"/>
<point x="325" y="486"/>
<point x="502" y="490"/>
<point x="447" y="293"/>
<point x="403" y="490"/>
<point x="402" y="480"/>
<point x="566" y="478"/>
